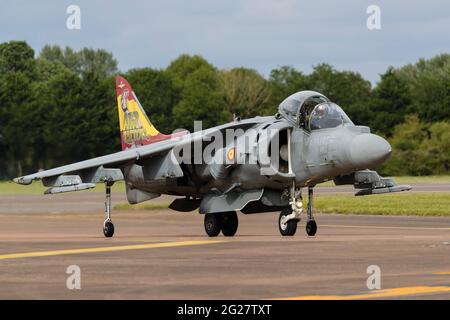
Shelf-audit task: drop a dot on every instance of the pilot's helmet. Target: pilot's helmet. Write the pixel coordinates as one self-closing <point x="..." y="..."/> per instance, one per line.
<point x="321" y="110"/>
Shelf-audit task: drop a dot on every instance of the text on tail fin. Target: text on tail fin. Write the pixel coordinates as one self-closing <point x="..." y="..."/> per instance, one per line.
<point x="135" y="127"/>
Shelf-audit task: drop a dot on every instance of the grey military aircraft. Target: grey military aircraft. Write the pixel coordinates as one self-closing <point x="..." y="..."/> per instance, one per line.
<point x="261" y="166"/>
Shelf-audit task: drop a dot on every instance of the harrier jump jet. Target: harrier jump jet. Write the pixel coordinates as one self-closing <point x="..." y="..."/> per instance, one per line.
<point x="261" y="166"/>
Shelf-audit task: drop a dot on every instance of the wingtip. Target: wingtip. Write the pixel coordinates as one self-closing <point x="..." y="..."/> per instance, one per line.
<point x="22" y="180"/>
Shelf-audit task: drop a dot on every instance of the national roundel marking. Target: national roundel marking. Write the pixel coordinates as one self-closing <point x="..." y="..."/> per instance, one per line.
<point x="231" y="154"/>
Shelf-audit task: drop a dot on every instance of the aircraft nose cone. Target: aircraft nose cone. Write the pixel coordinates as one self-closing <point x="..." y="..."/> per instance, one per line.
<point x="368" y="150"/>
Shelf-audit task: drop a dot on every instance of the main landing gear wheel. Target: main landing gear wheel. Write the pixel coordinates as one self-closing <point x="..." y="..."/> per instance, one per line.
<point x="287" y="228"/>
<point x="229" y="223"/>
<point x="212" y="224"/>
<point x="108" y="229"/>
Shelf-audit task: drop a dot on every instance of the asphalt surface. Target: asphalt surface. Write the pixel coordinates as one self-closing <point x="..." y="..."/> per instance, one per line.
<point x="160" y="254"/>
<point x="88" y="201"/>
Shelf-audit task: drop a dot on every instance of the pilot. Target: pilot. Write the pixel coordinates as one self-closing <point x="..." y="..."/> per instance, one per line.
<point x="320" y="111"/>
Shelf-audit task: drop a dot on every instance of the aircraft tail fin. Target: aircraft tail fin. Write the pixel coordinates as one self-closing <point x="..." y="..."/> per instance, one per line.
<point x="135" y="127"/>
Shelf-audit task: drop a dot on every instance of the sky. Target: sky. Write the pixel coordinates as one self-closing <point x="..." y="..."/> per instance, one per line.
<point x="260" y="34"/>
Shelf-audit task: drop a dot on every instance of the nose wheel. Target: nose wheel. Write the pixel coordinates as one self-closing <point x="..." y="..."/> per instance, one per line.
<point x="287" y="227"/>
<point x="290" y="216"/>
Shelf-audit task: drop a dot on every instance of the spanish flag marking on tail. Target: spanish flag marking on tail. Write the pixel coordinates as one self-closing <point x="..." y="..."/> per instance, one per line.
<point x="135" y="127"/>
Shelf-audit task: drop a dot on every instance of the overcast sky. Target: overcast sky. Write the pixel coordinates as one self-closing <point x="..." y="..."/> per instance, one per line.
<point x="262" y="34"/>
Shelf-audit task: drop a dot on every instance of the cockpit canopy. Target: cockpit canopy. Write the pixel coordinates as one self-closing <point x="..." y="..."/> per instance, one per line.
<point x="312" y="110"/>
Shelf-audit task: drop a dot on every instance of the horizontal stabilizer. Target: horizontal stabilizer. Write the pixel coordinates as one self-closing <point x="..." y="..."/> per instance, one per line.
<point x="76" y="187"/>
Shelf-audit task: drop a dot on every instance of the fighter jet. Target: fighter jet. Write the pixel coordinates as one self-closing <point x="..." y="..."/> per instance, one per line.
<point x="254" y="165"/>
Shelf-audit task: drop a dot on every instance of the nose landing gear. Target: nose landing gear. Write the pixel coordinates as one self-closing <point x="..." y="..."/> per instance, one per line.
<point x="287" y="227"/>
<point x="290" y="216"/>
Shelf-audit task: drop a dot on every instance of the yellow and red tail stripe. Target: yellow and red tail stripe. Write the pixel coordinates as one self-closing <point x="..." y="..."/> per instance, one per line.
<point x="135" y="127"/>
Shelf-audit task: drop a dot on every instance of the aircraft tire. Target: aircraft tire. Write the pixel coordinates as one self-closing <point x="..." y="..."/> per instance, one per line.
<point x="289" y="228"/>
<point x="212" y="224"/>
<point x="108" y="229"/>
<point x="311" y="228"/>
<point x="229" y="223"/>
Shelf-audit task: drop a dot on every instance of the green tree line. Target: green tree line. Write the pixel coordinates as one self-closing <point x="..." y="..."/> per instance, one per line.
<point x="59" y="106"/>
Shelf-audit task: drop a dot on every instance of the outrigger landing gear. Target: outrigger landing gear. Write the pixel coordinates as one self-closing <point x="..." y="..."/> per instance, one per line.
<point x="108" y="226"/>
<point x="311" y="226"/>
<point x="290" y="216"/>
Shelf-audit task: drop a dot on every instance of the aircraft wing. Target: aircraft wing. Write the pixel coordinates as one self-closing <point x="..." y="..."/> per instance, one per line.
<point x="140" y="140"/>
<point x="84" y="174"/>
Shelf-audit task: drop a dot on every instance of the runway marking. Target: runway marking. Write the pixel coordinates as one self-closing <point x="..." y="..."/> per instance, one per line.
<point x="443" y="273"/>
<point x="107" y="249"/>
<point x="387" y="293"/>
<point x="383" y="227"/>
